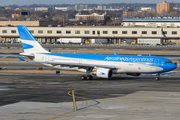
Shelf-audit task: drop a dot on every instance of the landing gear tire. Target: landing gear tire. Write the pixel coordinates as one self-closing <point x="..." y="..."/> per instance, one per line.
<point x="83" y="77"/>
<point x="157" y="78"/>
<point x="89" y="77"/>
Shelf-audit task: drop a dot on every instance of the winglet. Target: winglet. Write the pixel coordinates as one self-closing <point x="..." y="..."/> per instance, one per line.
<point x="21" y="59"/>
<point x="115" y="53"/>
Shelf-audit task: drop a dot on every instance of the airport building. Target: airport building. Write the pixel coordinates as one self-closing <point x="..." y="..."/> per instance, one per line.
<point x="28" y="23"/>
<point x="49" y="31"/>
<point x="114" y="34"/>
<point x="152" y="22"/>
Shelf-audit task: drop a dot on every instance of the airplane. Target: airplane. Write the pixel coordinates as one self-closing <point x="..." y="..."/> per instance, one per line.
<point x="102" y="66"/>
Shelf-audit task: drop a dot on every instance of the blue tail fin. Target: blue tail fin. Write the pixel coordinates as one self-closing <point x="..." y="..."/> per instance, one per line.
<point x="24" y="33"/>
<point x="29" y="43"/>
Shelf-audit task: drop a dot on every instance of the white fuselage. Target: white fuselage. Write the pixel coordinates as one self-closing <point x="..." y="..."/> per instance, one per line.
<point x="121" y="67"/>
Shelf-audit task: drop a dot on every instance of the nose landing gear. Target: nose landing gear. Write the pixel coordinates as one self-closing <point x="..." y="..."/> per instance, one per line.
<point x="157" y="76"/>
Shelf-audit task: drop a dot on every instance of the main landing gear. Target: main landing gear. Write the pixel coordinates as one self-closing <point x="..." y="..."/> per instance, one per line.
<point x="88" y="77"/>
<point x="157" y="76"/>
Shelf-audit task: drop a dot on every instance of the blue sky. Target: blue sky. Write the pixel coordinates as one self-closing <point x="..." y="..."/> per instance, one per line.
<point x="28" y="2"/>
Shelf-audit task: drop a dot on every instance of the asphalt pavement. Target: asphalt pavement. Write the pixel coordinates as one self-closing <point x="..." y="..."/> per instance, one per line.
<point x="43" y="96"/>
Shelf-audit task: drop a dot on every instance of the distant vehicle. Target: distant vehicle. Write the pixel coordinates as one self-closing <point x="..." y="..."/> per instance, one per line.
<point x="102" y="66"/>
<point x="71" y="40"/>
<point x="149" y="41"/>
<point x="59" y="42"/>
<point x="129" y="41"/>
<point x="97" y="41"/>
<point x="87" y="42"/>
<point x="171" y="43"/>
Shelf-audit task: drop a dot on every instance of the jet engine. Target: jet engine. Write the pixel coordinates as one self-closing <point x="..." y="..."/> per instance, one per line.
<point x="133" y="74"/>
<point x="104" y="73"/>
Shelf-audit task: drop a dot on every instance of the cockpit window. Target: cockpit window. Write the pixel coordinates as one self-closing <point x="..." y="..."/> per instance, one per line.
<point x="168" y="62"/>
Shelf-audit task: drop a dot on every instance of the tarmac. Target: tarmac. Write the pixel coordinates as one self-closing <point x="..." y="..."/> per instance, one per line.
<point x="27" y="93"/>
<point x="50" y="97"/>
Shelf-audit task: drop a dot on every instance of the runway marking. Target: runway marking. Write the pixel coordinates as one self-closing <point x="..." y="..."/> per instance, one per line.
<point x="4" y="68"/>
<point x="69" y="93"/>
<point x="109" y="110"/>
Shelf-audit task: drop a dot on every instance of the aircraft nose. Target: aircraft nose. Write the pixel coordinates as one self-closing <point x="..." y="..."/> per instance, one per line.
<point x="169" y="67"/>
<point x="173" y="66"/>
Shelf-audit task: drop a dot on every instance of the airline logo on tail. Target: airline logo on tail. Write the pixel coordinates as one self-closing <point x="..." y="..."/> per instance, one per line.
<point x="27" y="46"/>
<point x="29" y="43"/>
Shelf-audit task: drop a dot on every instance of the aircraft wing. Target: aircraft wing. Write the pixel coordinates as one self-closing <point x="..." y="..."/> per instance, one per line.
<point x="75" y="64"/>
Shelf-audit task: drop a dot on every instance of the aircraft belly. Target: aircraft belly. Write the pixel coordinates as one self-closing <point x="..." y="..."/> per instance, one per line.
<point x="137" y="68"/>
<point x="156" y="69"/>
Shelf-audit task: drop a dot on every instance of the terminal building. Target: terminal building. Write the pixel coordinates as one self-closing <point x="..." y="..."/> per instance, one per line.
<point x="152" y="22"/>
<point x="114" y="34"/>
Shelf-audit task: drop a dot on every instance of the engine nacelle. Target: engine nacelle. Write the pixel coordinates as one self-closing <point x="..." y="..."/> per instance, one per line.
<point x="133" y="74"/>
<point x="104" y="73"/>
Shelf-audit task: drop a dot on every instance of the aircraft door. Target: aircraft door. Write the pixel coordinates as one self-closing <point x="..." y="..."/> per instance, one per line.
<point x="80" y="61"/>
<point x="47" y="58"/>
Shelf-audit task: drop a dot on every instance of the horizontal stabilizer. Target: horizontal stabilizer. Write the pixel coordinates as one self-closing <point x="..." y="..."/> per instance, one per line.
<point x="21" y="59"/>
